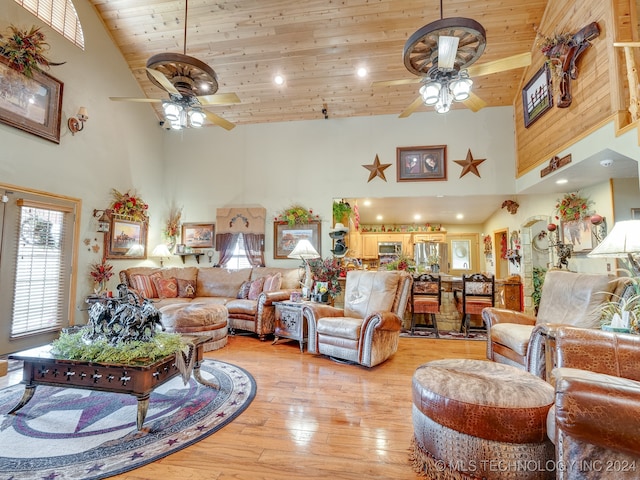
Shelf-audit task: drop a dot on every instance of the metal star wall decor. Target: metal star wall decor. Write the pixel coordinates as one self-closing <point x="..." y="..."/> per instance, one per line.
<point x="376" y="169"/>
<point x="469" y="164"/>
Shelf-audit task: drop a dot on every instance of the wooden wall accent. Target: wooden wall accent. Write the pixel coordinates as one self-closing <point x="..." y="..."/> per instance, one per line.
<point x="600" y="91"/>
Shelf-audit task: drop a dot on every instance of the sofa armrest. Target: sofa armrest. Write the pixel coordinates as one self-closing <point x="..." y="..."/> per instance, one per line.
<point x="387" y="321"/>
<point x="268" y="298"/>
<point x="598" y="409"/>
<point x="494" y="315"/>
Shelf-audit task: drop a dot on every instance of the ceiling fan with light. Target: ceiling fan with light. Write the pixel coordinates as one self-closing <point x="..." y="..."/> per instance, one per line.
<point x="441" y="54"/>
<point x="191" y="85"/>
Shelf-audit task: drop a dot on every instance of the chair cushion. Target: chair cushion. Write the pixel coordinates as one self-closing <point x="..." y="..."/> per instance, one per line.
<point x="425" y="305"/>
<point x="475" y="305"/>
<point x="512" y="335"/>
<point x="343" y="327"/>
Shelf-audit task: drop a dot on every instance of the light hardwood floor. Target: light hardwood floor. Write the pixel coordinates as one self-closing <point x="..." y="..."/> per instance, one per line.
<point x="312" y="418"/>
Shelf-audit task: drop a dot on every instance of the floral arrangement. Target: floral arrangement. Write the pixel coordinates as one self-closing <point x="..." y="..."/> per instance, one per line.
<point x="573" y="207"/>
<point x="101" y="272"/>
<point x="549" y="45"/>
<point x="327" y="270"/>
<point x="488" y="245"/>
<point x="25" y="50"/>
<point x="297" y="215"/>
<point x="173" y="223"/>
<point x="129" y="205"/>
<point x="402" y="263"/>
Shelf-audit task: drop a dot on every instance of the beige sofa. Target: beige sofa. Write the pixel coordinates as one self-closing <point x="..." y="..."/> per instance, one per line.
<point x="221" y="286"/>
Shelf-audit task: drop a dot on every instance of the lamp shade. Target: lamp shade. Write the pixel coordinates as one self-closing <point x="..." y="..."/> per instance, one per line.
<point x="304" y="250"/>
<point x="624" y="239"/>
<point x="161" y="251"/>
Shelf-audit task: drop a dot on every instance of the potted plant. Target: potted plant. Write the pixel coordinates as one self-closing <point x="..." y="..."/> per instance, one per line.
<point x="327" y="271"/>
<point x="622" y="314"/>
<point x="341" y="210"/>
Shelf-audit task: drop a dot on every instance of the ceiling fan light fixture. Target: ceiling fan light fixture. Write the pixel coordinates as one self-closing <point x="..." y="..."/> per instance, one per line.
<point x="430" y="92"/>
<point x="443" y="105"/>
<point x="461" y="88"/>
<point x="196" y="118"/>
<point x="171" y="111"/>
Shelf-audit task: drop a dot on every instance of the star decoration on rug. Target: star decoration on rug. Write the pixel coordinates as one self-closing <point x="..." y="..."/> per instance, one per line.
<point x="376" y="169"/>
<point x="469" y="164"/>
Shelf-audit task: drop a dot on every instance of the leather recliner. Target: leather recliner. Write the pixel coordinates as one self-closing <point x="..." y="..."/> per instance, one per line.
<point x="594" y="423"/>
<point x="366" y="331"/>
<point x="568" y="298"/>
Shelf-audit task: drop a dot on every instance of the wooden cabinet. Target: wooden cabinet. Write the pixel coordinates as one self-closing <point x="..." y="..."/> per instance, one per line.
<point x="355" y="243"/>
<point x="510" y="294"/>
<point x="429" y="237"/>
<point x="407" y="245"/>
<point x="369" y="246"/>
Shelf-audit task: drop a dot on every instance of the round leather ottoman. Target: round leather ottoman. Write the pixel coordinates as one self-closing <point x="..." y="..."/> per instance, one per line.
<point x="197" y="319"/>
<point x="477" y="419"/>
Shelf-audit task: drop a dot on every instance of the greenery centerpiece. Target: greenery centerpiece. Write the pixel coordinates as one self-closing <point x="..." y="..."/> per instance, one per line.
<point x="297" y="215"/>
<point x="402" y="263"/>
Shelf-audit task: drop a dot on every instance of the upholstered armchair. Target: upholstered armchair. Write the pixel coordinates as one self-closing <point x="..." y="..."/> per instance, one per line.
<point x="595" y="424"/>
<point x="367" y="329"/>
<point x="568" y="298"/>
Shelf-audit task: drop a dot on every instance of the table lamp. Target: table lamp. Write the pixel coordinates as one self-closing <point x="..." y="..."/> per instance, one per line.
<point x="622" y="241"/>
<point x="305" y="251"/>
<point x="161" y="251"/>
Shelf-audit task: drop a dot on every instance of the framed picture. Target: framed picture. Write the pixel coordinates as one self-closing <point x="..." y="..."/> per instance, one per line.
<point x="30" y="104"/>
<point x="537" y="96"/>
<point x="126" y="239"/>
<point x="582" y="235"/>
<point x="419" y="164"/>
<point x="198" y="235"/>
<point x="285" y="238"/>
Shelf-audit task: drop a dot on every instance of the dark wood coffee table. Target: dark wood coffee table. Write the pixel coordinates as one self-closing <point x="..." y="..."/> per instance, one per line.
<point x="42" y="368"/>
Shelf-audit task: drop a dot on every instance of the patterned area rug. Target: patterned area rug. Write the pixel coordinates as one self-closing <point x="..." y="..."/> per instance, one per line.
<point x="81" y="434"/>
<point x="453" y="335"/>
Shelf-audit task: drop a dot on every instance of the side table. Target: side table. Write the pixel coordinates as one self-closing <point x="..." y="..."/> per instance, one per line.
<point x="289" y="322"/>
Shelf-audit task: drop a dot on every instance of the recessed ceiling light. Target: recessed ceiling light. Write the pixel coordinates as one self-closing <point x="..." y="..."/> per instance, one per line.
<point x="562" y="181"/>
<point x="278" y="79"/>
<point x="459" y="216"/>
<point x="417" y="216"/>
<point x="362" y="72"/>
<point x="367" y="203"/>
<point x="378" y="217"/>
<point x="204" y="87"/>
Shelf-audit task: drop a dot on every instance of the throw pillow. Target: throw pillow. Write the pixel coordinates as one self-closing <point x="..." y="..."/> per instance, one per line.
<point x="144" y="284"/>
<point x="272" y="283"/>
<point x="256" y="288"/>
<point x="244" y="290"/>
<point x="166" y="287"/>
<point x="186" y="288"/>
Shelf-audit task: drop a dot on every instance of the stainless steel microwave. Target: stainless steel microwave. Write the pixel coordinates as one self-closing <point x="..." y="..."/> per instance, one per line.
<point x="389" y="248"/>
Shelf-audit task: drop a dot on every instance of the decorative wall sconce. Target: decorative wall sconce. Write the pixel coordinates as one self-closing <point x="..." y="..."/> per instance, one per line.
<point x="77" y="124"/>
<point x="103" y="220"/>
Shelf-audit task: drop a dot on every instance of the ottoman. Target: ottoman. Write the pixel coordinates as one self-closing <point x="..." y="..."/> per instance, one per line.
<point x="197" y="319"/>
<point x="478" y="419"/>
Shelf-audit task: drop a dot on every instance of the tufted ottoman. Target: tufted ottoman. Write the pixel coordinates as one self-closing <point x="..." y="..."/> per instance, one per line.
<point x="198" y="319"/>
<point x="478" y="419"/>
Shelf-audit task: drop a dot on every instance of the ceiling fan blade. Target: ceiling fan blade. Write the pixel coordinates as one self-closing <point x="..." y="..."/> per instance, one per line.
<point x="411" y="108"/>
<point x="132" y="99"/>
<point x="391" y="83"/>
<point x="221" y="122"/>
<point x="218" y="99"/>
<point x="164" y="81"/>
<point x="474" y="102"/>
<point x="501" y="65"/>
<point x="447" y="51"/>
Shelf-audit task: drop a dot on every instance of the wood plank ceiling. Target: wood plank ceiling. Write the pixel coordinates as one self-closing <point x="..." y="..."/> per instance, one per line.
<point x="317" y="45"/>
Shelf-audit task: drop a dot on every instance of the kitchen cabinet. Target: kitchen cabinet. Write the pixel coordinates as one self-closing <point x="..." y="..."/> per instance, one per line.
<point x="407" y="245"/>
<point x="355" y="244"/>
<point x="429" y="237"/>
<point x="369" y="246"/>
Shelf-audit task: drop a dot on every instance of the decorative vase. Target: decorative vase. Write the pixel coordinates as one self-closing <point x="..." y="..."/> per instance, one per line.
<point x="435" y="268"/>
<point x="99" y="287"/>
<point x="171" y="243"/>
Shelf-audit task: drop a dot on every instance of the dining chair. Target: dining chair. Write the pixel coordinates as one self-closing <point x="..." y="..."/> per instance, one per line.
<point x="426" y="298"/>
<point x="478" y="292"/>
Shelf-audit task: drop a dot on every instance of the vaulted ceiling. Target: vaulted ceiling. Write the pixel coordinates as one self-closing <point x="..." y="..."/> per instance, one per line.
<point x="317" y="46"/>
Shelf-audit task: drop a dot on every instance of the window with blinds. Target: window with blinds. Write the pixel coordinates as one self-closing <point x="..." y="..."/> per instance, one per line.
<point x="41" y="269"/>
<point x="239" y="259"/>
<point x="60" y="15"/>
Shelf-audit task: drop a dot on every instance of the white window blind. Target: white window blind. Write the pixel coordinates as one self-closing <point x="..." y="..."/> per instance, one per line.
<point x="60" y="15"/>
<point x="41" y="268"/>
<point x="239" y="259"/>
